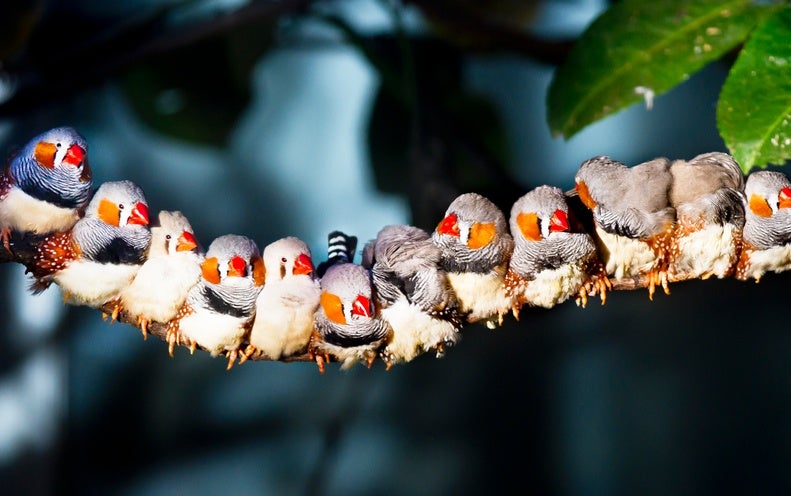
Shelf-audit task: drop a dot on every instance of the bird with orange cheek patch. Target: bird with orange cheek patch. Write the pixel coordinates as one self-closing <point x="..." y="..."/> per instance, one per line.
<point x="550" y="262"/>
<point x="46" y="186"/>
<point x="347" y="326"/>
<point x="102" y="253"/>
<point x="219" y="311"/>
<point x="476" y="246"/>
<point x="766" y="240"/>
<point x="633" y="219"/>
<point x="285" y="307"/>
<point x="171" y="269"/>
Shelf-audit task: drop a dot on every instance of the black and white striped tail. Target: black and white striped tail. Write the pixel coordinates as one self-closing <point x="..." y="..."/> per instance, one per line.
<point x="340" y="248"/>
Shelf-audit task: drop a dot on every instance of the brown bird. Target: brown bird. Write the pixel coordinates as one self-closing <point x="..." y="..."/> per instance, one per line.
<point x="633" y="219"/>
<point x="708" y="195"/>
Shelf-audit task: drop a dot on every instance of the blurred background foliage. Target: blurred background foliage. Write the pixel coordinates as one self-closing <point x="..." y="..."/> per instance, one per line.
<point x="274" y="118"/>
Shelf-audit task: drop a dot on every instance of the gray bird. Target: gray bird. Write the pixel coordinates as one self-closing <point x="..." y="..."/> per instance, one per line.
<point x="550" y="263"/>
<point x="219" y="310"/>
<point x="633" y="219"/>
<point x="766" y="243"/>
<point x="708" y="195"/>
<point x="476" y="246"/>
<point x="347" y="327"/>
<point x="414" y="293"/>
<point x="102" y="253"/>
<point x="47" y="185"/>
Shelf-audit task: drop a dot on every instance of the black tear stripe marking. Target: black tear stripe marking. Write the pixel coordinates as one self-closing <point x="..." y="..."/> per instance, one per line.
<point x="220" y="305"/>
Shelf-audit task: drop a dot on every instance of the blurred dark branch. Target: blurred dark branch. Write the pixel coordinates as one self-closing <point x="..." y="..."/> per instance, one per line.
<point x="118" y="48"/>
<point x="487" y="35"/>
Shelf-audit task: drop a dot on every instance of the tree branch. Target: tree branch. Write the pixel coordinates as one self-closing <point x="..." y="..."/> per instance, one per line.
<point x="22" y="249"/>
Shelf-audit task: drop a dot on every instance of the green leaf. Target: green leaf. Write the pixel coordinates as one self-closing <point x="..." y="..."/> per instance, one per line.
<point x="638" y="48"/>
<point x="754" y="111"/>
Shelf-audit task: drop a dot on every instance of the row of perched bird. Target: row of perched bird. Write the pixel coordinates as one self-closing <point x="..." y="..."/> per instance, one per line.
<point x="413" y="291"/>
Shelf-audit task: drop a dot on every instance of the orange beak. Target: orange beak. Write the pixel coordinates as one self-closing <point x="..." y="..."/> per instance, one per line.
<point x="784" y="198"/>
<point x="303" y="265"/>
<point x="139" y="215"/>
<point x="361" y="306"/>
<point x="236" y="267"/>
<point x="186" y="242"/>
<point x="559" y="221"/>
<point x="74" y="155"/>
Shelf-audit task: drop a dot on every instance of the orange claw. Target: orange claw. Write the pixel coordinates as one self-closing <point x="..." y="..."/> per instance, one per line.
<point x="320" y="362"/>
<point x="143" y="324"/>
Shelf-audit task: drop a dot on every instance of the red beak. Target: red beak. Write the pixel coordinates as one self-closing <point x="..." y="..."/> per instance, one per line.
<point x="139" y="215"/>
<point x="236" y="266"/>
<point x="303" y="265"/>
<point x="361" y="306"/>
<point x="74" y="155"/>
<point x="186" y="242"/>
<point x="559" y="221"/>
<point x="784" y="198"/>
<point x="449" y="225"/>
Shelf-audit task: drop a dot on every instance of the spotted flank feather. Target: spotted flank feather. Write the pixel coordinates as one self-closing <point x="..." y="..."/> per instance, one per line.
<point x="52" y="255"/>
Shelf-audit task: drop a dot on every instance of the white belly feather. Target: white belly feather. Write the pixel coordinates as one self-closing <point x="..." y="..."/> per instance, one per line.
<point x="483" y="295"/>
<point x="23" y="213"/>
<point x="415" y="332"/>
<point x="161" y="286"/>
<point x="776" y="259"/>
<point x="214" y="331"/>
<point x="709" y="250"/>
<point x="284" y="317"/>
<point x="625" y="257"/>
<point x="93" y="284"/>
<point x="551" y="287"/>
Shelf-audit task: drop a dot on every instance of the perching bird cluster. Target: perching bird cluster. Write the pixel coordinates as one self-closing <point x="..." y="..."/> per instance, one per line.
<point x="413" y="291"/>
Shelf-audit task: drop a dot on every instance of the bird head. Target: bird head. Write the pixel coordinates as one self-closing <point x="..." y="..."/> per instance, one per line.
<point x="60" y="148"/>
<point x="119" y="204"/>
<point x="473" y="219"/>
<point x="767" y="192"/>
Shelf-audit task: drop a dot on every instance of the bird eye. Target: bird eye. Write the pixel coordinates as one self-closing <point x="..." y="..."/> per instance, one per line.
<point x="57" y="144"/>
<point x="168" y="236"/>
<point x="120" y="206"/>
<point x="284" y="260"/>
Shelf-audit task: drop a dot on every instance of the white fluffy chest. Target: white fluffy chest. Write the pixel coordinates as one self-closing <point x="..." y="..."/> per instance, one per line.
<point x="160" y="287"/>
<point x="414" y="331"/>
<point x="776" y="259"/>
<point x="554" y="286"/>
<point x="93" y="284"/>
<point x="214" y="331"/>
<point x="625" y="257"/>
<point x="708" y="250"/>
<point x="483" y="295"/>
<point x="284" y="317"/>
<point x="22" y="212"/>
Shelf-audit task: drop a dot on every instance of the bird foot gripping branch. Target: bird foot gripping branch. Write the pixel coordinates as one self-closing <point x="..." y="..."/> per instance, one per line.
<point x="622" y="228"/>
